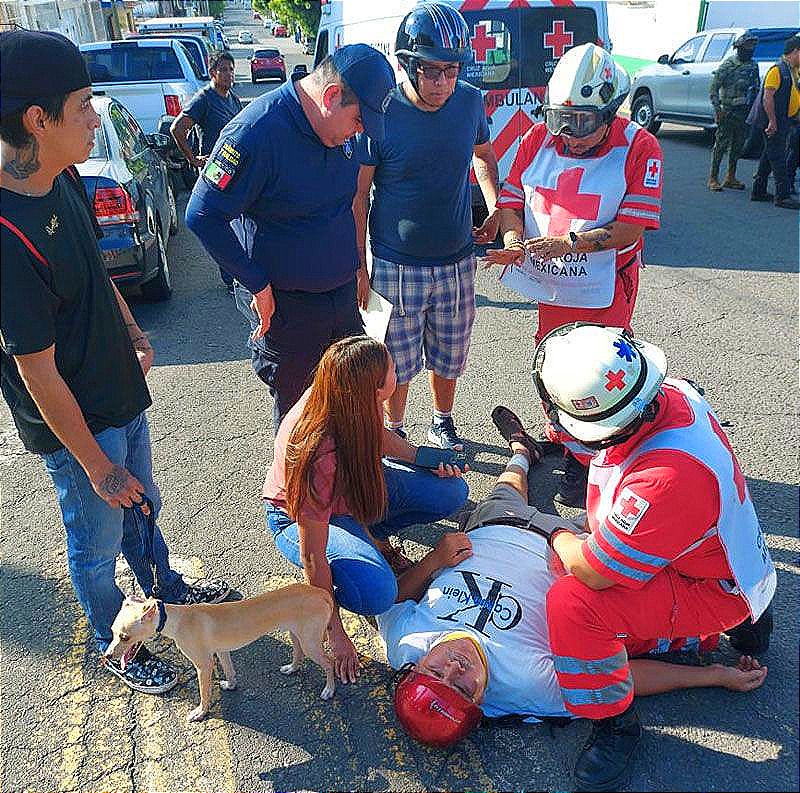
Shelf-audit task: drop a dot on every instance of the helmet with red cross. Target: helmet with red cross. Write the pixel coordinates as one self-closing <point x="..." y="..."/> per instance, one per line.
<point x="595" y="381"/>
<point x="585" y="91"/>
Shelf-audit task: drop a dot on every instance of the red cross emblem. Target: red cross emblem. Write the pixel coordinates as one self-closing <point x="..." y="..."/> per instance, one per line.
<point x="565" y="202"/>
<point x="481" y="43"/>
<point x="615" y="380"/>
<point x="653" y="170"/>
<point x="629" y="507"/>
<point x="607" y="74"/>
<point x="558" y="39"/>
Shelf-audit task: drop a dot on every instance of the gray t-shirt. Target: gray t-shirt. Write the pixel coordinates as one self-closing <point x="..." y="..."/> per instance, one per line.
<point x="211" y="112"/>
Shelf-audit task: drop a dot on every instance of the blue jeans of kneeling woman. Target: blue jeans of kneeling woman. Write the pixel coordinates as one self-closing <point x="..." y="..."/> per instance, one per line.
<point x="363" y="582"/>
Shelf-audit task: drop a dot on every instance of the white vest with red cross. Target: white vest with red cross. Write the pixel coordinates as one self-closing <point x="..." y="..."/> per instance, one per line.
<point x="564" y="194"/>
<point x="737" y="526"/>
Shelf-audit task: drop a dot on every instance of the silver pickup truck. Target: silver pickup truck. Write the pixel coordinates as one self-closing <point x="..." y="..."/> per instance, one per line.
<point x="153" y="78"/>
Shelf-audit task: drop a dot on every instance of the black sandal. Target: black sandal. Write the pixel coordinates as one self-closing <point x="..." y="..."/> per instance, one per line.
<point x="510" y="427"/>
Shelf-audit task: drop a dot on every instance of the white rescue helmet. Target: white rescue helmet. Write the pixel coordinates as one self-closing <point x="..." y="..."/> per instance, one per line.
<point x="596" y="380"/>
<point x="585" y="91"/>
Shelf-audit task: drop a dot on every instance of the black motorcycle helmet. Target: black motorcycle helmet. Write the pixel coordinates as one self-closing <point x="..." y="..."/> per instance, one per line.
<point x="432" y="32"/>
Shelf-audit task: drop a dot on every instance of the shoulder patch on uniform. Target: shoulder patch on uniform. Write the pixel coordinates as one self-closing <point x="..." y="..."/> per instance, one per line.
<point x="627" y="511"/>
<point x="223" y="165"/>
<point x="652" y="173"/>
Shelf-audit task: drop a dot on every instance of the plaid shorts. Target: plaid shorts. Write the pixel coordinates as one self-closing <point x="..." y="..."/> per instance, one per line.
<point x="434" y="310"/>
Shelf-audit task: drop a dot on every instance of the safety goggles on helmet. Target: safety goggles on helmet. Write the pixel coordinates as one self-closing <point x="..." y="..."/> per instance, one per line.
<point x="596" y="382"/>
<point x="577" y="123"/>
<point x="430" y="711"/>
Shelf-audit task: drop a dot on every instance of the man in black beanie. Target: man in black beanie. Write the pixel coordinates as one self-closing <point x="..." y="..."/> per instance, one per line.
<point x="73" y="359"/>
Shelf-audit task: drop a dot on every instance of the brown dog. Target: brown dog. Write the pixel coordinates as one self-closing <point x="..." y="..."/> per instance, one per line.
<point x="204" y="631"/>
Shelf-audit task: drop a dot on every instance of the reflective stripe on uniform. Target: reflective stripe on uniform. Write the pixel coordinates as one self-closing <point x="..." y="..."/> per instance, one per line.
<point x="598" y="696"/>
<point x="632" y="553"/>
<point x="613" y="564"/>
<point x="639" y="213"/>
<point x="601" y="666"/>
<point x="642" y="199"/>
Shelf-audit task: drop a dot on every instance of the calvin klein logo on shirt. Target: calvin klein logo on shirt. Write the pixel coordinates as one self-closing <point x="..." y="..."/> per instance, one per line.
<point x="497" y="608"/>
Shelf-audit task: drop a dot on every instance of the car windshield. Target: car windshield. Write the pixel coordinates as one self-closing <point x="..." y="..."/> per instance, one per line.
<point x="266" y="54"/>
<point x="99" y="150"/>
<point x="127" y="62"/>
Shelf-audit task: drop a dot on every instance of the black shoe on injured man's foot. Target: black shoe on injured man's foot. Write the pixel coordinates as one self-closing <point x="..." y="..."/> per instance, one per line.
<point x="510" y="428"/>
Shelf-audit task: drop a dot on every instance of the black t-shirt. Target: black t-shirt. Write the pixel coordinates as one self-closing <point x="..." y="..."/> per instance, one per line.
<point x="70" y="303"/>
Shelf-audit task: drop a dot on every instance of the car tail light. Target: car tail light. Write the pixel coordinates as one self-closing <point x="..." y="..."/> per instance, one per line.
<point x="114" y="205"/>
<point x="172" y="103"/>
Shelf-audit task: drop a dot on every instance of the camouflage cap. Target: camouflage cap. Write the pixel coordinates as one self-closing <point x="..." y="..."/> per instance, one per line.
<point x="748" y="40"/>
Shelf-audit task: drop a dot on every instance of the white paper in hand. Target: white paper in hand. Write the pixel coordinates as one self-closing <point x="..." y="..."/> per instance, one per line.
<point x="376" y="317"/>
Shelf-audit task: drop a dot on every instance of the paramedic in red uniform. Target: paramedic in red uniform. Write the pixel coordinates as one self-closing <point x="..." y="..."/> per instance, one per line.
<point x="675" y="547"/>
<point x="584" y="186"/>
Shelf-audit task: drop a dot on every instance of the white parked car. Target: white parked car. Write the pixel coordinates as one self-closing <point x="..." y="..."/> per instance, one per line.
<point x="245" y="37"/>
<point x="676" y="87"/>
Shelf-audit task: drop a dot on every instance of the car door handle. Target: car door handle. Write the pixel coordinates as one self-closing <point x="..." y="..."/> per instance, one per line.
<point x="686" y="72"/>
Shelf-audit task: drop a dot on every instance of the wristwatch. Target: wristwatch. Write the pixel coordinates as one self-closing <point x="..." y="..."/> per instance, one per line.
<point x="573" y="240"/>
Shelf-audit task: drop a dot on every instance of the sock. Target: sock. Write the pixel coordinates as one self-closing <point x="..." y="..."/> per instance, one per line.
<point x="439" y="417"/>
<point x="521" y="461"/>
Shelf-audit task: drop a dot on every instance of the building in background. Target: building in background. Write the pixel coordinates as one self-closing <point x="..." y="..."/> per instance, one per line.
<point x="79" y="20"/>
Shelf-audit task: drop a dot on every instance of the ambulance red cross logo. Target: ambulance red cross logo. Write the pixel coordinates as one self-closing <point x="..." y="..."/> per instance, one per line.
<point x="559" y="39"/>
<point x="628" y="510"/>
<point x="482" y="43"/>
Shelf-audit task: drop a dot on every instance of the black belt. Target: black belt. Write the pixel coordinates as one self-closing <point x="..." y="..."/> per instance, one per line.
<point x="514" y="522"/>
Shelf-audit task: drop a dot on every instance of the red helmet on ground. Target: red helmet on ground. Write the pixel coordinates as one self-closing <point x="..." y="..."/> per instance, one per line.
<point x="431" y="711"/>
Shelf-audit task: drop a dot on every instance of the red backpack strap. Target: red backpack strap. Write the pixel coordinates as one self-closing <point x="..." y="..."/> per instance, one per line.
<point x="25" y="241"/>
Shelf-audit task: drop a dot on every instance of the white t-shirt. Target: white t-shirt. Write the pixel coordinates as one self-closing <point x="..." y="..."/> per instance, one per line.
<point x="498" y="596"/>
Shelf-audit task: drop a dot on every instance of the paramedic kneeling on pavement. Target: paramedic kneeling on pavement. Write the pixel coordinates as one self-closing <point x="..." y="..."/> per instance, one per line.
<point x="273" y="207"/>
<point x="469" y="633"/>
<point x="675" y="547"/>
<point x="584" y="187"/>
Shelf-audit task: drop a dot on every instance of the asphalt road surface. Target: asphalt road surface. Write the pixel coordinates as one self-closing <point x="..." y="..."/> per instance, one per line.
<point x="719" y="294"/>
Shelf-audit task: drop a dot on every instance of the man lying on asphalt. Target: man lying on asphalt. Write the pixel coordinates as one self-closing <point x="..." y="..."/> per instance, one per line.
<point x="469" y="633"/>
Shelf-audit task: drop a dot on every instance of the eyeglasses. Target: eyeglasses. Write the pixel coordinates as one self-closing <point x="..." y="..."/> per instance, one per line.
<point x="433" y="73"/>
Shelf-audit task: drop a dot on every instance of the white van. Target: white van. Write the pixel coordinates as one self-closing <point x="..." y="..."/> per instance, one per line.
<point x="203" y="26"/>
<point x="515" y="50"/>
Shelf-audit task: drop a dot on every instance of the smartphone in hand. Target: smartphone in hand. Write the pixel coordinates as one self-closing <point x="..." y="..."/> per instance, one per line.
<point x="432" y="456"/>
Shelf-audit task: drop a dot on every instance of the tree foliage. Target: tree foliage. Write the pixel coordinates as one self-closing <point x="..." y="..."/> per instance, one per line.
<point x="292" y="12"/>
<point x="216" y="8"/>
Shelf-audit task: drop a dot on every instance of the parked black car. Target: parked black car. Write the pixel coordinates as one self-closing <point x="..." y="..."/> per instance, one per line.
<point x="128" y="183"/>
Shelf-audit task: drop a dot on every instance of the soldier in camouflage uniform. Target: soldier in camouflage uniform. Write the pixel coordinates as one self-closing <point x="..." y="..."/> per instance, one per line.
<point x="733" y="89"/>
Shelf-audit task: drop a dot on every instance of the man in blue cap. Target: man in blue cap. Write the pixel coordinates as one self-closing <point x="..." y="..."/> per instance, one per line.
<point x="274" y="208"/>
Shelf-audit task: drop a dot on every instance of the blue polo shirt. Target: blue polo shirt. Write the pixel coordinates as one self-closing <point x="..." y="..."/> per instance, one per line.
<point x="211" y="112"/>
<point x="273" y="204"/>
<point x="421" y="212"/>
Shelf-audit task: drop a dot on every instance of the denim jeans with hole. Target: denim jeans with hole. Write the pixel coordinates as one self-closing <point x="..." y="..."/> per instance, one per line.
<point x="363" y="582"/>
<point x="96" y="533"/>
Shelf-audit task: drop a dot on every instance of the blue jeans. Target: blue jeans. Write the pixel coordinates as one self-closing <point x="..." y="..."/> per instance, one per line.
<point x="363" y="582"/>
<point x="96" y="533"/>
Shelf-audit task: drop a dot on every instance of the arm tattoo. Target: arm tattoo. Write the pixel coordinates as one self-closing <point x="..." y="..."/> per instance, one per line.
<point x="24" y="163"/>
<point x="598" y="238"/>
<point x="115" y="481"/>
